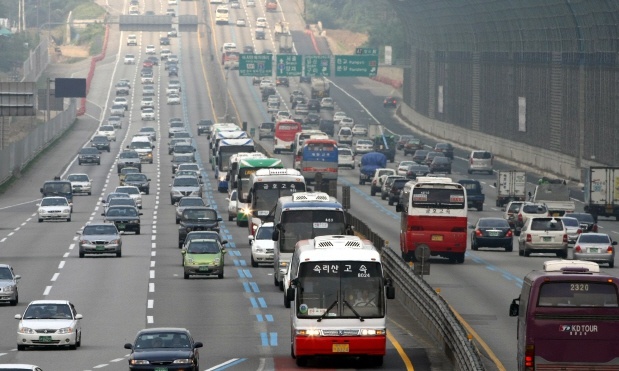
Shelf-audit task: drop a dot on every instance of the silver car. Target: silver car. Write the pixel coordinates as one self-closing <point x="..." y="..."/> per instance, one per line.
<point x="133" y="192"/>
<point x="184" y="186"/>
<point x="49" y="323"/>
<point x="595" y="247"/>
<point x="572" y="226"/>
<point x="100" y="238"/>
<point x="8" y="285"/>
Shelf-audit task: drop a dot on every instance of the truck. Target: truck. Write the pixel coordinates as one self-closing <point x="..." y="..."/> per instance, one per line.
<point x="369" y="163"/>
<point x="285" y="43"/>
<point x="386" y="145"/>
<point x="510" y="186"/>
<point x="474" y="193"/>
<point x="320" y="87"/>
<point x="281" y="28"/>
<point x="555" y="194"/>
<point x="271" y="6"/>
<point x="602" y="192"/>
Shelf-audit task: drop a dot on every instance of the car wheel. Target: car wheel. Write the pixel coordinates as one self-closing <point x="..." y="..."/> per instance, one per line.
<point x="40" y="220"/>
<point x="186" y="276"/>
<point x="390" y="202"/>
<point x="509" y="248"/>
<point x="68" y="219"/>
<point x="474" y="245"/>
<point x="275" y="281"/>
<point x="180" y="244"/>
<point x="79" y="162"/>
<point x="253" y="262"/>
<point x="220" y="275"/>
<point x="90" y="193"/>
<point x="81" y="254"/>
<point x="480" y="207"/>
<point x="147" y="191"/>
<point x="171" y="201"/>
<point x="14" y="302"/>
<point x="72" y="347"/>
<point x="611" y="264"/>
<point x="178" y="221"/>
<point x="137" y="231"/>
<point x="78" y="343"/>
<point x="21" y="347"/>
<point x="119" y="253"/>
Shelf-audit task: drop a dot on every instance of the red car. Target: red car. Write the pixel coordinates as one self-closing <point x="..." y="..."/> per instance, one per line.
<point x="390" y="102"/>
<point x="147" y="63"/>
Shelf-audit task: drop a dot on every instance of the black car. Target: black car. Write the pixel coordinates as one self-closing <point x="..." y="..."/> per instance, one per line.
<point x="420" y="156"/>
<point x="173" y="71"/>
<point x="204" y="126"/>
<point x="139" y="180"/>
<point x="126" y="218"/>
<point x="446" y="148"/>
<point x="267" y="91"/>
<point x="282" y="81"/>
<point x="305" y="79"/>
<point x="197" y="219"/>
<point x="164" y="348"/>
<point x="248" y="49"/>
<point x="587" y="222"/>
<point x="154" y="59"/>
<point x="492" y="232"/>
<point x="89" y="155"/>
<point x="417" y="170"/>
<point x="100" y="142"/>
<point x="327" y="127"/>
<point x="183" y="158"/>
<point x="440" y="165"/>
<point x="312" y="119"/>
<point x="313" y="105"/>
<point x="390" y="102"/>
<point x="173" y="142"/>
<point x="170" y="64"/>
<point x="393" y="196"/>
<point x="164" y="40"/>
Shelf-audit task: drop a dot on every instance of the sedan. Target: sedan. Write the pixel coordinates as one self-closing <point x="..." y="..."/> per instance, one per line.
<point x="174" y="99"/>
<point x="150" y="49"/>
<point x="390" y="102"/>
<point x="262" y="245"/>
<point x="186" y="202"/>
<point x="173" y="347"/>
<point x="587" y="222"/>
<point x="360" y="129"/>
<point x="49" y="323"/>
<point x="132" y="191"/>
<point x="595" y="247"/>
<point x="241" y="22"/>
<point x="148" y="114"/>
<point x="100" y="238"/>
<point x="8" y="285"/>
<point x="203" y="258"/>
<point x="338" y="116"/>
<point x="363" y="146"/>
<point x="54" y="208"/>
<point x="126" y="218"/>
<point x="184" y="186"/>
<point x="416" y="170"/>
<point x="403" y="167"/>
<point x="202" y="235"/>
<point x="138" y="180"/>
<point x="440" y="165"/>
<point x="80" y="183"/>
<point x="108" y="131"/>
<point x="492" y="232"/>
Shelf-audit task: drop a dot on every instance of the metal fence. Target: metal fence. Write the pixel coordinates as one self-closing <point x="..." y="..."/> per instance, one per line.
<point x="37" y="62"/>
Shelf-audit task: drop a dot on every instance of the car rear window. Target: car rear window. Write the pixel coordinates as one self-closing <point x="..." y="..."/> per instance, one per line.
<point x="482" y="155"/>
<point x="547" y="224"/>
<point x="534" y="209"/>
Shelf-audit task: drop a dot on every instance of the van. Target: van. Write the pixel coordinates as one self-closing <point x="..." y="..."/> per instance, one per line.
<point x="344" y="135"/>
<point x="260" y="33"/>
<point x="266" y="130"/>
<point x="57" y="187"/>
<point x="480" y="161"/>
<point x="143" y="145"/>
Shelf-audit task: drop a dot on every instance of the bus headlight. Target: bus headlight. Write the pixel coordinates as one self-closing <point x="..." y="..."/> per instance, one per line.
<point x="372" y="332"/>
<point x="246" y="211"/>
<point x="307" y="332"/>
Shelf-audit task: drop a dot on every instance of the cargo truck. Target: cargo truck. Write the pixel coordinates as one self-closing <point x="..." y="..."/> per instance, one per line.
<point x="511" y="186"/>
<point x="602" y="192"/>
<point x="320" y="87"/>
<point x="285" y="43"/>
<point x="555" y="194"/>
<point x="282" y="28"/>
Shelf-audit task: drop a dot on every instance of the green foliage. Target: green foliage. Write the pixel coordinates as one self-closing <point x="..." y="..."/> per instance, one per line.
<point x="92" y="35"/>
<point x="88" y="11"/>
<point x="14" y="50"/>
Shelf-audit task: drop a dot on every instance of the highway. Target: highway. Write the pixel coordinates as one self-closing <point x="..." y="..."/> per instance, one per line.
<point x="241" y="319"/>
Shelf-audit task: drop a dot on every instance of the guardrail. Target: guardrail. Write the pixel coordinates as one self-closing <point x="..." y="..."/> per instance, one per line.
<point x="429" y="309"/>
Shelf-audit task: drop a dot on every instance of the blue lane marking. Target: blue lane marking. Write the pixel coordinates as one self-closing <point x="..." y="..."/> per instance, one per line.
<point x="254" y="287"/>
<point x="259" y="318"/>
<point x="236" y="263"/>
<point x="273" y="339"/>
<point x="241" y="273"/>
<point x="254" y="303"/>
<point x="264" y="338"/>
<point x="268" y="317"/>
<point x="246" y="287"/>
<point x="247" y="273"/>
<point x="263" y="303"/>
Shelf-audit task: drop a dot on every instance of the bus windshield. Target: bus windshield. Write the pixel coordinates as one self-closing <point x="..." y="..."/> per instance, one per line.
<point x="577" y="294"/>
<point x="438" y="198"/>
<point x="267" y="194"/>
<point x="341" y="289"/>
<point x="306" y="224"/>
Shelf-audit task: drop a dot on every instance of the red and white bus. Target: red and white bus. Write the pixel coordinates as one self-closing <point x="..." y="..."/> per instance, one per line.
<point x="568" y="318"/>
<point x="319" y="156"/>
<point x="340" y="300"/>
<point x="285" y="131"/>
<point x="230" y="59"/>
<point x="434" y="213"/>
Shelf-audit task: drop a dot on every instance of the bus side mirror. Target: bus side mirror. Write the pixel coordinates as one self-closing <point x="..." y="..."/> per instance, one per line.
<point x="514" y="308"/>
<point x="349" y="230"/>
<point x="494" y="184"/>
<point x="290" y="294"/>
<point x="275" y="236"/>
<point x="234" y="184"/>
<point x="398" y="208"/>
<point x="390" y="292"/>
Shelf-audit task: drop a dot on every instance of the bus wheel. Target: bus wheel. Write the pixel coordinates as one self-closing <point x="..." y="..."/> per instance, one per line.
<point x="301" y="361"/>
<point x="458" y="258"/>
<point x="373" y="361"/>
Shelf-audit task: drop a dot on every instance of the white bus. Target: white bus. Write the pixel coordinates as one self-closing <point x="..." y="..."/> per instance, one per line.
<point x="340" y="300"/>
<point x="222" y="15"/>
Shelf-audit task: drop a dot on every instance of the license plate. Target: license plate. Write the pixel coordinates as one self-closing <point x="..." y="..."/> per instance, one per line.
<point x="161" y="369"/>
<point x="437" y="237"/>
<point x="340" y="348"/>
<point x="493" y="234"/>
<point x="594" y="249"/>
<point x="120" y="226"/>
<point x="546" y="239"/>
<point x="556" y="214"/>
<point x="203" y="269"/>
<point x="99" y="247"/>
<point x="45" y="339"/>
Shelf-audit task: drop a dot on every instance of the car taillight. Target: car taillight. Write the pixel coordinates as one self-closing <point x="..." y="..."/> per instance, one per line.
<point x="478" y="233"/>
<point x="519" y="217"/>
<point x="565" y="238"/>
<point x="528" y="238"/>
<point x="529" y="357"/>
<point x="609" y="249"/>
<point x="594" y="229"/>
<point x="579" y="231"/>
<point x="577" y="248"/>
<point x="509" y="233"/>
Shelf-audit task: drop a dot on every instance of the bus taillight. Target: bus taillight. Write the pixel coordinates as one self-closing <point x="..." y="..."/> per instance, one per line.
<point x="529" y="357"/>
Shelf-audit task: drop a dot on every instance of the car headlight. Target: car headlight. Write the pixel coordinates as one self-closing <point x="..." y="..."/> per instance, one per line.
<point x="134" y="221"/>
<point x="8" y="289"/>
<point x="114" y="242"/>
<point x="216" y="261"/>
<point x="26" y="330"/>
<point x="184" y="361"/>
<point x="66" y="210"/>
<point x="41" y="211"/>
<point x="65" y="330"/>
<point x="260" y="250"/>
<point x="139" y="362"/>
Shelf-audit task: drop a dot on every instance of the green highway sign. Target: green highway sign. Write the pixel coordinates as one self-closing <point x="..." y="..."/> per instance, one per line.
<point x="289" y="65"/>
<point x="366" y="51"/>
<point x="317" y="65"/>
<point x="356" y="65"/>
<point x="255" y="65"/>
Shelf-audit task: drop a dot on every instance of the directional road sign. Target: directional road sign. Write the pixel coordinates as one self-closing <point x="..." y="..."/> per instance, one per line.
<point x="356" y="65"/>
<point x="317" y="65"/>
<point x="255" y="65"/>
<point x="289" y="65"/>
<point x="366" y="51"/>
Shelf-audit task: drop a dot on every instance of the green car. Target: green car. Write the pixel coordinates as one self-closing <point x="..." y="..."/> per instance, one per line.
<point x="204" y="257"/>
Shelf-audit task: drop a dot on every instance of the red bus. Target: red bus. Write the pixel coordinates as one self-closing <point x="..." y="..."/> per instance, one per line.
<point x="285" y="131"/>
<point x="230" y="59"/>
<point x="434" y="213"/>
<point x="568" y="318"/>
<point x="271" y="5"/>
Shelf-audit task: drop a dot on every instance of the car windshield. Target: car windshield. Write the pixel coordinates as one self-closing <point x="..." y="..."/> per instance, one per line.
<point x="5" y="274"/>
<point x="106" y="229"/>
<point x="100" y="138"/>
<point x="594" y="238"/>
<point x="48" y="311"/>
<point x="129" y="170"/>
<point x="55" y="201"/>
<point x="188" y="167"/>
<point x="205" y="235"/>
<point x="191" y="201"/>
<point x="77" y="178"/>
<point x="162" y="340"/>
<point x="264" y="233"/>
<point x="135" y="177"/>
<point x="128" y="190"/>
<point x="534" y="209"/>
<point x="571" y="222"/>
<point x="489" y="223"/>
<point x="122" y="211"/>
<point x="203" y="247"/>
<point x="200" y="214"/>
<point x="129" y="155"/>
<point x="186" y="182"/>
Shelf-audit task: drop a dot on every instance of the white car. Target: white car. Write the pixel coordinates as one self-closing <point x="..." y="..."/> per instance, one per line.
<point x="264" y="83"/>
<point x="150" y="49"/>
<point x="251" y="3"/>
<point x="327" y="103"/>
<point x="80" y="183"/>
<point x="235" y="5"/>
<point x="403" y="167"/>
<point x="174" y="99"/>
<point x="360" y="130"/>
<point x="217" y="1"/>
<point x="228" y="47"/>
<point x="261" y="22"/>
<point x="174" y="87"/>
<point x="165" y="53"/>
<point x="282" y="115"/>
<point x="262" y="245"/>
<point x="232" y="200"/>
<point x="147" y="102"/>
<point x="117" y="110"/>
<point x="121" y="101"/>
<point x="241" y="22"/>
<point x="345" y="158"/>
<point x="363" y="146"/>
<point x="147" y="79"/>
<point x="172" y="2"/>
<point x="338" y="116"/>
<point x="148" y="114"/>
<point x="133" y="192"/>
<point x="49" y="323"/>
<point x="108" y="131"/>
<point x="129" y="59"/>
<point x="54" y="208"/>
<point x="148" y="91"/>
<point x="347" y="122"/>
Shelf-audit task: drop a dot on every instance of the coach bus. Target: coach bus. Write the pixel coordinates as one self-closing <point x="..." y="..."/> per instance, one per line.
<point x="568" y="318"/>
<point x="222" y="15"/>
<point x="285" y="131"/>
<point x="319" y="156"/>
<point x="233" y="170"/>
<point x="434" y="213"/>
<point x="302" y="216"/>
<point x="226" y="148"/>
<point x="340" y="300"/>
<point x="247" y="167"/>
